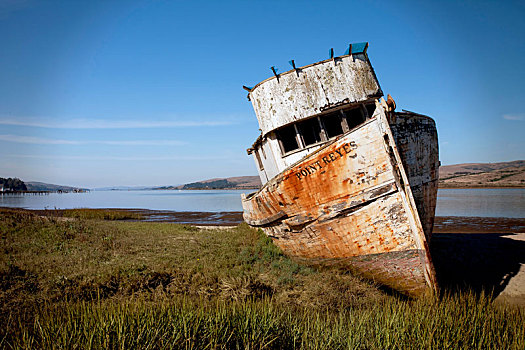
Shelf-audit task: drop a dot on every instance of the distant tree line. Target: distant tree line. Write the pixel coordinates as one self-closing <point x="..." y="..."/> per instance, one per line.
<point x="12" y="184"/>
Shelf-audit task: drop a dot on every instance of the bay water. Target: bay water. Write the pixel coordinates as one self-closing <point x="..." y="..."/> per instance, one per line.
<point x="507" y="202"/>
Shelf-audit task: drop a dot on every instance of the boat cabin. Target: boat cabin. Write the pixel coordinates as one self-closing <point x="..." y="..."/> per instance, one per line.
<point x="301" y="110"/>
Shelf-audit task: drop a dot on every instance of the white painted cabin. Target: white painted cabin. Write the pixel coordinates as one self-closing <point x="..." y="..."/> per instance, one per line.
<point x="302" y="109"/>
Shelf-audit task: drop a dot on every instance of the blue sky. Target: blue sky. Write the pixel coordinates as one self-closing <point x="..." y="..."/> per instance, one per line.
<point x="102" y="93"/>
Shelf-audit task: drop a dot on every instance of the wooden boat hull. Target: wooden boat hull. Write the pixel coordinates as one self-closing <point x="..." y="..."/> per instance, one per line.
<point x="351" y="203"/>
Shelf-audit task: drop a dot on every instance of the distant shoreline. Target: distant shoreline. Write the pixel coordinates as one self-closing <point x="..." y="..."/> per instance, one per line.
<point x="42" y="192"/>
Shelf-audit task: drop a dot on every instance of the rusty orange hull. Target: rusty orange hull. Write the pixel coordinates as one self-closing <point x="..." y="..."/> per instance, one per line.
<point x="364" y="201"/>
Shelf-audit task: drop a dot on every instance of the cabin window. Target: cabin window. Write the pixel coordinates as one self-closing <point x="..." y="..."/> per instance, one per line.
<point x="354" y="117"/>
<point x="288" y="138"/>
<point x="310" y="131"/>
<point x="370" y="108"/>
<point x="332" y="124"/>
<point x="322" y="128"/>
<point x="259" y="161"/>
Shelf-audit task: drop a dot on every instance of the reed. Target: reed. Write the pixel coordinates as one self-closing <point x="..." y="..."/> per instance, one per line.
<point x="463" y="321"/>
<point x="106" y="284"/>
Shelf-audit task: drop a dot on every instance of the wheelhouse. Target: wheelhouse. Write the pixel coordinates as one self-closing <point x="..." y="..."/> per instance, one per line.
<point x="301" y="110"/>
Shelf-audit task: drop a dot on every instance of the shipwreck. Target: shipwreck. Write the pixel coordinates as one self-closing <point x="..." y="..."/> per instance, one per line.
<point x="347" y="180"/>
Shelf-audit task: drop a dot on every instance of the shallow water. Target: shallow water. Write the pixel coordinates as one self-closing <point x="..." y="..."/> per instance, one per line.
<point x="451" y="202"/>
<point x="175" y="200"/>
<point x="482" y="202"/>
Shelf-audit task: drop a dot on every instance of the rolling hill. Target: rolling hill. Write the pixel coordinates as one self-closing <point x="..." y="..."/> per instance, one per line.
<point x="41" y="186"/>
<point x="230" y="183"/>
<point x="504" y="174"/>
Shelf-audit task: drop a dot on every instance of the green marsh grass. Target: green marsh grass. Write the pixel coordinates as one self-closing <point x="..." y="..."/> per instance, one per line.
<point x="101" y="214"/>
<point x="90" y="283"/>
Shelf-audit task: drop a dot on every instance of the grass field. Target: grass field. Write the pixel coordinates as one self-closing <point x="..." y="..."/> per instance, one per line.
<point x="88" y="282"/>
